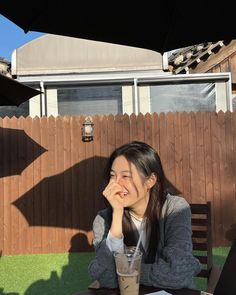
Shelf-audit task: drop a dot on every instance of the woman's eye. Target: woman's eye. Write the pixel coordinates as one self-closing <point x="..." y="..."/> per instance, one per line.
<point x="112" y="176"/>
<point x="127" y="176"/>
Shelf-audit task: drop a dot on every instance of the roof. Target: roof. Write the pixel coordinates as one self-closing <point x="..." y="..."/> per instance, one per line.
<point x="184" y="59"/>
<point x="4" y="60"/>
<point x="54" y="54"/>
<point x="5" y="67"/>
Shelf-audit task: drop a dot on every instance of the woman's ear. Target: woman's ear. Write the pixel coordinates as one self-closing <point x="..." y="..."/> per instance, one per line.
<point x="151" y="180"/>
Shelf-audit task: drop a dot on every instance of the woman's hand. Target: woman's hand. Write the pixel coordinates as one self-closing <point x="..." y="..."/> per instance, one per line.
<point x="114" y="193"/>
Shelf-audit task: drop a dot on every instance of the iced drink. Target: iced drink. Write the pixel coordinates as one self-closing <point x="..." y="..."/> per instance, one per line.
<point x="128" y="283"/>
<point x="128" y="271"/>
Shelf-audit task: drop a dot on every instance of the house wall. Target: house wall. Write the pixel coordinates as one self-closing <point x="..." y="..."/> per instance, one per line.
<point x="221" y="102"/>
<point x="127" y="100"/>
<point x="144" y="99"/>
<point x="54" y="54"/>
<point x="51" y="102"/>
<point x="35" y="106"/>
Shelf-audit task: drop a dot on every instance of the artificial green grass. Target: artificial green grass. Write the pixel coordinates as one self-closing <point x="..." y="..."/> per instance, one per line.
<point x="59" y="274"/>
<point x="44" y="274"/>
<point x="219" y="257"/>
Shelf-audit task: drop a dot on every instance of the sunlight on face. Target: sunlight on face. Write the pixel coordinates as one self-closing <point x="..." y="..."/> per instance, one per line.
<point x="132" y="182"/>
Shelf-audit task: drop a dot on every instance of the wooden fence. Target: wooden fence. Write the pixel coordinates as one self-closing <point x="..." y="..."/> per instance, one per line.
<point x="51" y="181"/>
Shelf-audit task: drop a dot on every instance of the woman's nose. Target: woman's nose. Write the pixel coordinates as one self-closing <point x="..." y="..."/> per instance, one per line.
<point x="119" y="180"/>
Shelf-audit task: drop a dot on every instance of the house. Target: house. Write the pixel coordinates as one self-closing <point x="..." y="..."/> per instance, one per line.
<point x="5" y="67"/>
<point x="80" y="76"/>
<point x="209" y="57"/>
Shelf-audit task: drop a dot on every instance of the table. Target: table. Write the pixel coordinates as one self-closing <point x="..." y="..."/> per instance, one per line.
<point x="143" y="290"/>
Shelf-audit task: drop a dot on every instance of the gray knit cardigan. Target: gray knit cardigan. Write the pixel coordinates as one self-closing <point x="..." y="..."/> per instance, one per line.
<point x="174" y="266"/>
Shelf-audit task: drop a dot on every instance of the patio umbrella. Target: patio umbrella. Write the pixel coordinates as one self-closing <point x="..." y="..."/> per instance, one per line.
<point x="157" y="25"/>
<point x="13" y="93"/>
<point x="19" y="151"/>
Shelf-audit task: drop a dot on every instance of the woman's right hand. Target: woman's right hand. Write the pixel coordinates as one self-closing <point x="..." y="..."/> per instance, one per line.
<point x="114" y="193"/>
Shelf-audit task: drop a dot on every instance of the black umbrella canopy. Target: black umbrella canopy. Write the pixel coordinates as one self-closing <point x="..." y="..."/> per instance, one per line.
<point x="19" y="151"/>
<point x="14" y="93"/>
<point x="157" y="25"/>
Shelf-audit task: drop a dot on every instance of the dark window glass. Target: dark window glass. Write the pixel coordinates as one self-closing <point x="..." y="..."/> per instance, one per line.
<point x="90" y="100"/>
<point x="10" y="111"/>
<point x="234" y="103"/>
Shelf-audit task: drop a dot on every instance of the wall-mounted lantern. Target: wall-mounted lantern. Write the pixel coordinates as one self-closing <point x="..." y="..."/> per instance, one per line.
<point x="87" y="131"/>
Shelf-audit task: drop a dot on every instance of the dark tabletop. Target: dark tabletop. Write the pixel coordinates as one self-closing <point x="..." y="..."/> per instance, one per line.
<point x="143" y="290"/>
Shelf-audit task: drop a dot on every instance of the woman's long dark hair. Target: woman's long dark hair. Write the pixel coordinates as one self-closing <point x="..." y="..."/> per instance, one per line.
<point x="147" y="162"/>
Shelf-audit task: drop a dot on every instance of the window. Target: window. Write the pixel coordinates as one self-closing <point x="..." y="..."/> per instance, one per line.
<point x="10" y="111"/>
<point x="183" y="97"/>
<point x="90" y="100"/>
<point x="190" y="93"/>
<point x="134" y="93"/>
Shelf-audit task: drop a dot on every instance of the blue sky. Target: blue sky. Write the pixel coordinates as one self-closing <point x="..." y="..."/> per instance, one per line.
<point x="12" y="37"/>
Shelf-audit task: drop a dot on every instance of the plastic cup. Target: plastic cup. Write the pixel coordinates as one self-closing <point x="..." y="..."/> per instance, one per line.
<point x="128" y="277"/>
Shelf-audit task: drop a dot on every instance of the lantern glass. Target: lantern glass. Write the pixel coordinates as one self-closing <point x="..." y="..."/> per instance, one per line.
<point x="87" y="132"/>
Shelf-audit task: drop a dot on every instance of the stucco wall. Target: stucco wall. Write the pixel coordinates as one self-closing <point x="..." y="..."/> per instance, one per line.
<point x="51" y="54"/>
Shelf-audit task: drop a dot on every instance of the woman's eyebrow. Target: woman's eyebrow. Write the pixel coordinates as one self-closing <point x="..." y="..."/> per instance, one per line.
<point x="123" y="171"/>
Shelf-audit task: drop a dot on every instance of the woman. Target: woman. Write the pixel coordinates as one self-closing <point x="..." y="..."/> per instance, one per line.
<point x="139" y="201"/>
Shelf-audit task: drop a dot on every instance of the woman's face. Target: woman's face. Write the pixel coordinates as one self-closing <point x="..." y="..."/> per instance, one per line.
<point x="134" y="186"/>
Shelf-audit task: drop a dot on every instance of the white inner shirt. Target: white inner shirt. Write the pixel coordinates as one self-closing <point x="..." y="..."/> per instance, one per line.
<point x="117" y="245"/>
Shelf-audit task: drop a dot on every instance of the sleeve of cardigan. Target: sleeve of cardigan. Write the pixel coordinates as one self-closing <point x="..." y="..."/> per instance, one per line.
<point x="176" y="266"/>
<point x="102" y="267"/>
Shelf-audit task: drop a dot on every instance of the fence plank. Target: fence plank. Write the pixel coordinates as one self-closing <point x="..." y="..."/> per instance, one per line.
<point x="52" y="183"/>
<point x="111" y="134"/>
<point x="76" y="137"/>
<point x="178" y="153"/>
<point x="234" y="151"/>
<point x="148" y="129"/>
<point x="83" y="219"/>
<point x="44" y="136"/>
<point x="59" y="198"/>
<point x="67" y="180"/>
<point x="37" y="196"/>
<point x="170" y="149"/>
<point x="126" y="129"/>
<point x="185" y="127"/>
<point x="216" y="141"/>
<point x="14" y="185"/>
<point x="140" y="127"/>
<point x="156" y="132"/>
<point x="195" y="192"/>
<point x="1" y="191"/>
<point x="7" y="222"/>
<point x="100" y="157"/>
<point x="200" y="158"/>
<point x="227" y="187"/>
<point x="118" y="130"/>
<point x="133" y="127"/>
<point x="207" y="139"/>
